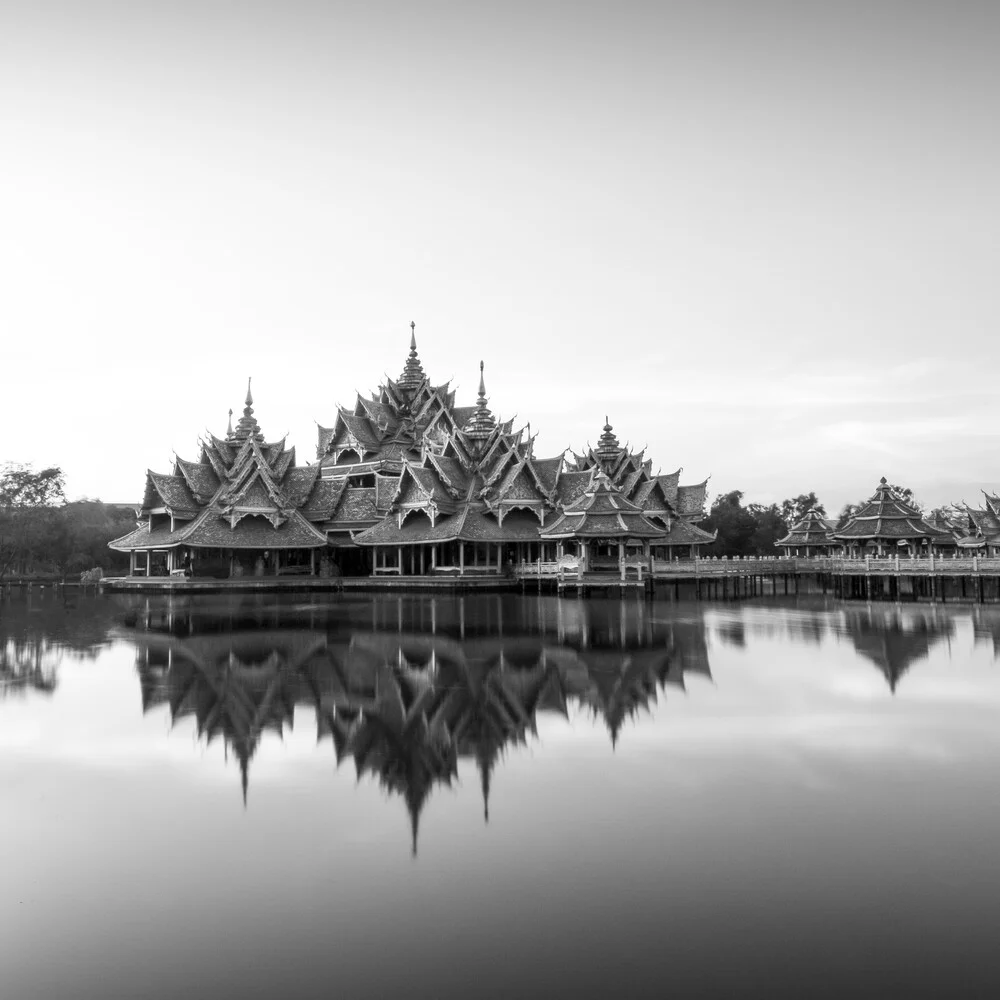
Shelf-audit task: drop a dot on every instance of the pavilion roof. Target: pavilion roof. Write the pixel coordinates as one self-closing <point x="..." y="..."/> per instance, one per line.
<point x="171" y="492"/>
<point x="684" y="533"/>
<point x="811" y="529"/>
<point x="887" y="515"/>
<point x="602" y="512"/>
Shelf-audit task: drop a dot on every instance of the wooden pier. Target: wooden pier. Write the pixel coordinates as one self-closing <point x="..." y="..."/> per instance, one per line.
<point x="942" y="578"/>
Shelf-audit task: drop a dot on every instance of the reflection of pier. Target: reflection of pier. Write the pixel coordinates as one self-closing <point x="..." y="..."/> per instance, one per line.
<point x="407" y="706"/>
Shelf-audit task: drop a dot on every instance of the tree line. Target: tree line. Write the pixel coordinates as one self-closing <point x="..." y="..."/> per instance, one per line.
<point x="43" y="534"/>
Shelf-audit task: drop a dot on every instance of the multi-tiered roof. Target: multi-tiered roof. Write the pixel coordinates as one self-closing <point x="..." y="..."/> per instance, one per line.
<point x="408" y="450"/>
<point x="811" y="531"/>
<point x="887" y="517"/>
<point x="981" y="525"/>
<point x="475" y="479"/>
<point x="243" y="493"/>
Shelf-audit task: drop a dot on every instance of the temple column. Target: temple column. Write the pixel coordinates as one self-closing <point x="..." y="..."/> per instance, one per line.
<point x="434" y="555"/>
<point x="312" y="562"/>
<point x="422" y="559"/>
<point x="131" y="562"/>
<point x="621" y="557"/>
<point x="399" y="556"/>
<point x="461" y="559"/>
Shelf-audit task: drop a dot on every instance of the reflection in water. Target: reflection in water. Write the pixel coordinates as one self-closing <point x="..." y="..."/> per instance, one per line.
<point x="892" y="638"/>
<point x="825" y="800"/>
<point x="406" y="704"/>
<point x="28" y="664"/>
<point x="38" y="631"/>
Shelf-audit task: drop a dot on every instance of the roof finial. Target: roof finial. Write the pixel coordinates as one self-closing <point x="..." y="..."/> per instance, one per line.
<point x="482" y="422"/>
<point x="247" y="425"/>
<point x="229" y="429"/>
<point x="413" y="372"/>
<point x="607" y="445"/>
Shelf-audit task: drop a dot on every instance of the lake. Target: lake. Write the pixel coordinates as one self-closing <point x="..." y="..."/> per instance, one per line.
<point x="497" y="796"/>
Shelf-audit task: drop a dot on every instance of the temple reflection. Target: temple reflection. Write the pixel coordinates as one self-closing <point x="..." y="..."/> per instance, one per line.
<point x="892" y="638"/>
<point x="404" y="704"/>
<point x="894" y="641"/>
<point x="406" y="689"/>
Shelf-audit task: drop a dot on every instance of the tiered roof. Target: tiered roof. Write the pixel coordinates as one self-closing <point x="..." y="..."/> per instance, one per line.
<point x="981" y="525"/>
<point x="393" y="425"/>
<point x="479" y="482"/>
<point x="243" y="493"/>
<point x="659" y="495"/>
<point x="886" y="515"/>
<point x="604" y="512"/>
<point x="812" y="529"/>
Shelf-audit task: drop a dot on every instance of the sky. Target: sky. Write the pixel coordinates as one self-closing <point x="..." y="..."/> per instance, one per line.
<point x="761" y="237"/>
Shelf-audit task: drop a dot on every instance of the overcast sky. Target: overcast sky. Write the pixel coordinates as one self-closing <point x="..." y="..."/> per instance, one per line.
<point x="761" y="237"/>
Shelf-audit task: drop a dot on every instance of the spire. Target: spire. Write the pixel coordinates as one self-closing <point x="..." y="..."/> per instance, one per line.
<point x="247" y="425"/>
<point x="244" y="777"/>
<point x="413" y="371"/>
<point x="482" y="423"/>
<point x="485" y="775"/>
<point x="229" y="428"/>
<point x="608" y="448"/>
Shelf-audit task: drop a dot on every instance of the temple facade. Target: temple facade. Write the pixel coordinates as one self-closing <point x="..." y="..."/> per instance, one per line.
<point x="408" y="483"/>
<point x="243" y="509"/>
<point x="434" y="488"/>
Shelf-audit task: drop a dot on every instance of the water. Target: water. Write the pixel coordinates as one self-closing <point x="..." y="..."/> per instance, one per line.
<point x="534" y="797"/>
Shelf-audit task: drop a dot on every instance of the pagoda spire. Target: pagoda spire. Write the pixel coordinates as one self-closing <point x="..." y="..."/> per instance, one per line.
<point x="247" y="425"/>
<point x="608" y="448"/>
<point x="482" y="423"/>
<point x="413" y="372"/>
<point x="229" y="428"/>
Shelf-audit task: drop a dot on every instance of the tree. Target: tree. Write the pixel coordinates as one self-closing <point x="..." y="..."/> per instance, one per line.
<point x="797" y="507"/>
<point x="735" y="524"/>
<point x="771" y="525"/>
<point x="80" y="536"/>
<point x="27" y="507"/>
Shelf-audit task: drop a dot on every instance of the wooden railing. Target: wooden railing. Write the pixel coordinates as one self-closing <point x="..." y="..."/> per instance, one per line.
<point x="886" y="565"/>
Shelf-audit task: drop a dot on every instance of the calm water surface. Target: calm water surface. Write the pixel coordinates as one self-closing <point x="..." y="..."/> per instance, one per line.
<point x="497" y="796"/>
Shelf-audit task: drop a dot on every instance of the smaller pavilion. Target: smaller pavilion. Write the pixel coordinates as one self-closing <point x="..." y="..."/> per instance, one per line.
<point x="886" y="524"/>
<point x="606" y="531"/>
<point x="809" y="536"/>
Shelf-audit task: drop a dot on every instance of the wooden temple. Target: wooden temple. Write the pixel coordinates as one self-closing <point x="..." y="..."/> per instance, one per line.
<point x="405" y="484"/>
<point x="451" y="490"/>
<point x="243" y="509"/>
